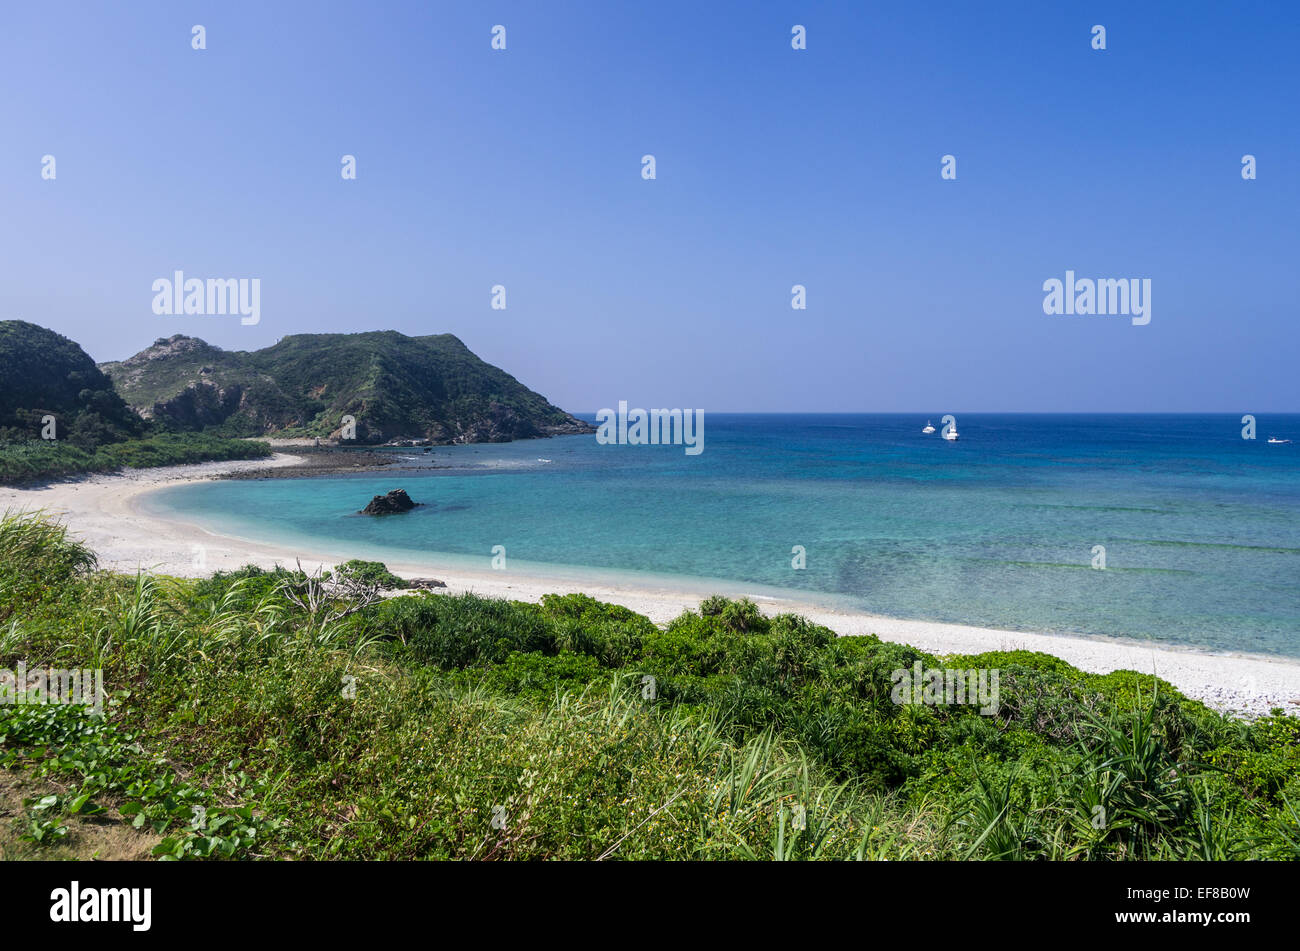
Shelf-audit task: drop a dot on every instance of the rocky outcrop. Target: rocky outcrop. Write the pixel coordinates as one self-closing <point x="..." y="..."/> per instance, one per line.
<point x="393" y="503"/>
<point x="501" y="424"/>
<point x="575" y="428"/>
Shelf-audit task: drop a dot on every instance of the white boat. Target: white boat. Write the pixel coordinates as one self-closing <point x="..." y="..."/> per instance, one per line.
<point x="929" y="427"/>
<point x="1274" y="441"/>
<point x="950" y="433"/>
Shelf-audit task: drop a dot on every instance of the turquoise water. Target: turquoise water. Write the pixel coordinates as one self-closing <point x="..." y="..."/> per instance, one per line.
<point x="1200" y="527"/>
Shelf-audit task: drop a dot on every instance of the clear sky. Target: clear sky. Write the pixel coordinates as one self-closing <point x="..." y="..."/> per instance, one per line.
<point x="775" y="167"/>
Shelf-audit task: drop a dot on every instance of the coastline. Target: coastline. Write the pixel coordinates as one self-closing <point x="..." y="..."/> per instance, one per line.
<point x="102" y="510"/>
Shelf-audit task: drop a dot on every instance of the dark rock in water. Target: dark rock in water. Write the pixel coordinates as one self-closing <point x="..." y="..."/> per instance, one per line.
<point x="394" y="502"/>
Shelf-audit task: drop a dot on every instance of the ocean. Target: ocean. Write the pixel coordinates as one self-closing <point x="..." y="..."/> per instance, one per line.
<point x="1199" y="528"/>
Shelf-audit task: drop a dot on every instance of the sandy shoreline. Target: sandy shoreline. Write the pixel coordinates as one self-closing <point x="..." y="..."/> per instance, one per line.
<point x="102" y="510"/>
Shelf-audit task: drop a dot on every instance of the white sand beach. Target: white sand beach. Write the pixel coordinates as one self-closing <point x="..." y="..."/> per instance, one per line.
<point x="103" y="511"/>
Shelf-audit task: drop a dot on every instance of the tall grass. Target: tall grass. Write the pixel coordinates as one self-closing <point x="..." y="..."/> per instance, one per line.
<point x="37" y="556"/>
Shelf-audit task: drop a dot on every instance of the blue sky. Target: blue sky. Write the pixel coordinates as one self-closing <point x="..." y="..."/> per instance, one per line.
<point x="775" y="167"/>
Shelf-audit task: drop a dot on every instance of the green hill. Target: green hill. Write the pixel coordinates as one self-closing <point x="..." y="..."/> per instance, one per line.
<point x="396" y="387"/>
<point x="43" y="373"/>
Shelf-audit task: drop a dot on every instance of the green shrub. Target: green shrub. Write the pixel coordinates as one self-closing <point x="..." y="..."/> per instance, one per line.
<point x="612" y="634"/>
<point x="370" y="572"/>
<point x="455" y="631"/>
<point x="543" y="676"/>
<point x="246" y="585"/>
<point x="740" y="617"/>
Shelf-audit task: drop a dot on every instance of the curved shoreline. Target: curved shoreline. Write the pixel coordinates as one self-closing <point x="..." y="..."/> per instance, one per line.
<point x="103" y="511"/>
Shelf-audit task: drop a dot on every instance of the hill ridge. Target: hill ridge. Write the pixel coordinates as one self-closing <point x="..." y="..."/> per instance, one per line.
<point x="396" y="387"/>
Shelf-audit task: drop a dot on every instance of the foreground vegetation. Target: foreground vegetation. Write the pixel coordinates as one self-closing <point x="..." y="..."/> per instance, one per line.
<point x="276" y="714"/>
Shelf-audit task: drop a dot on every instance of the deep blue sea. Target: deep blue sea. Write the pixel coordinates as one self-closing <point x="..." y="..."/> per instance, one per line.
<point x="1201" y="528"/>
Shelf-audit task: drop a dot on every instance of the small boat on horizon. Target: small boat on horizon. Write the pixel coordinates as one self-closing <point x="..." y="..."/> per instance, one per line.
<point x="1274" y="441"/>
<point x="950" y="433"/>
<point x="929" y="427"/>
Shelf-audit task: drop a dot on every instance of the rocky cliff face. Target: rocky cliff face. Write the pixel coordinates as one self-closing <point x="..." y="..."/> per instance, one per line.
<point x="198" y="406"/>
